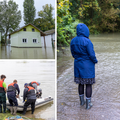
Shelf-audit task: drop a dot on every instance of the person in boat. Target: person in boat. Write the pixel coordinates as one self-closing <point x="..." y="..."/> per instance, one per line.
<point x="12" y="94"/>
<point x="29" y="93"/>
<point x="39" y="93"/>
<point x="35" y="85"/>
<point x="3" y="90"/>
<point x="84" y="63"/>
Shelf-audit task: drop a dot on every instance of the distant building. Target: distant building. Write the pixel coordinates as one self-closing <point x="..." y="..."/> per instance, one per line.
<point x="27" y="36"/>
<point x="49" y="38"/>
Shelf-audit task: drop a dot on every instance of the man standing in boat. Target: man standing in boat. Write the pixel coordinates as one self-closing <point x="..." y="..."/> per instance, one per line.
<point x="29" y="93"/>
<point x="2" y="94"/>
<point x="35" y="85"/>
<point x="11" y="93"/>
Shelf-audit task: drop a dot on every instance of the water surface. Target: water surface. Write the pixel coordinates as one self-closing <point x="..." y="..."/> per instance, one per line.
<point x="8" y="52"/>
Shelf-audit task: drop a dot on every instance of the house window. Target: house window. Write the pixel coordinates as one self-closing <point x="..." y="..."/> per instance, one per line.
<point x="24" y="29"/>
<point x="34" y="40"/>
<point x="33" y="30"/>
<point x="24" y="40"/>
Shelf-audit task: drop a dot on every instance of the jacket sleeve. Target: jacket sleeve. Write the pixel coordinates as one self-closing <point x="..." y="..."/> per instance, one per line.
<point x="35" y="86"/>
<point x="24" y="94"/>
<point x="17" y="88"/>
<point x="71" y="48"/>
<point x="91" y="52"/>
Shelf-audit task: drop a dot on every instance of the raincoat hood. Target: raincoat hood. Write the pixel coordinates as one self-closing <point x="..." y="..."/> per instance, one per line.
<point x="82" y="29"/>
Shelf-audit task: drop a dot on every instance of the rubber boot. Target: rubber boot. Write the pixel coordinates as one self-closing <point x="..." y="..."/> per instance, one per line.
<point x="24" y="111"/>
<point x="88" y="103"/>
<point x="15" y="110"/>
<point x="82" y="101"/>
<point x="11" y="110"/>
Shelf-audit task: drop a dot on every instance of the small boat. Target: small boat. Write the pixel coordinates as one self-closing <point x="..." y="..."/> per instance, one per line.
<point x="39" y="102"/>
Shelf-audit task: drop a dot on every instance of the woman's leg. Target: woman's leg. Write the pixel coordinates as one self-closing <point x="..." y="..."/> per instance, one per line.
<point x="88" y="96"/>
<point x="81" y="89"/>
<point x="81" y="94"/>
<point x="88" y="90"/>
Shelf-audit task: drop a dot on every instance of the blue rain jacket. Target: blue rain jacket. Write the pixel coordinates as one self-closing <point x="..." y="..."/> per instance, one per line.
<point x="83" y="52"/>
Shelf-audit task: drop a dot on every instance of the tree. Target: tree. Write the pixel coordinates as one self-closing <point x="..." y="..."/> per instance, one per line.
<point x="29" y="11"/>
<point x="46" y="20"/>
<point x="10" y="18"/>
<point x="66" y="26"/>
<point x="43" y="25"/>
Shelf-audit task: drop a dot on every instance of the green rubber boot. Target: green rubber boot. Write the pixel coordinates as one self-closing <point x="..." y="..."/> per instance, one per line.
<point x="11" y="110"/>
<point x="88" y="103"/>
<point x="15" y="110"/>
<point x="82" y="101"/>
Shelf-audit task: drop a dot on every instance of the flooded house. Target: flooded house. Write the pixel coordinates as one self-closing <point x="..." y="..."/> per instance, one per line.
<point x="27" y="36"/>
<point x="50" y="38"/>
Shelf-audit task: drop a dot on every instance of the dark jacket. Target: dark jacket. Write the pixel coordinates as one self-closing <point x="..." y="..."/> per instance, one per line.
<point x="83" y="52"/>
<point x="13" y="93"/>
<point x="29" y="94"/>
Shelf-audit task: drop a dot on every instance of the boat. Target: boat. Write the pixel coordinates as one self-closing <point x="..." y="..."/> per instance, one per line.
<point x="39" y="102"/>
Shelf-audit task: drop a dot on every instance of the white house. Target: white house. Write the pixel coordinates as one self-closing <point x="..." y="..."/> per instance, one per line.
<point x="49" y="38"/>
<point x="27" y="36"/>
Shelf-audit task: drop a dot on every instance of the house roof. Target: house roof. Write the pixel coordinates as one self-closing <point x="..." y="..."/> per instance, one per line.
<point x="50" y="32"/>
<point x="42" y="33"/>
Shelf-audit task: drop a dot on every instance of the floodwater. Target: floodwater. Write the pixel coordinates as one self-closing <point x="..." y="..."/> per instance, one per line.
<point x="26" y="71"/>
<point x="8" y="52"/>
<point x="106" y="90"/>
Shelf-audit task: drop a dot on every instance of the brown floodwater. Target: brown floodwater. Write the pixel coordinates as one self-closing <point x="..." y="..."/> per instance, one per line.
<point x="25" y="71"/>
<point x="8" y="52"/>
<point x="106" y="90"/>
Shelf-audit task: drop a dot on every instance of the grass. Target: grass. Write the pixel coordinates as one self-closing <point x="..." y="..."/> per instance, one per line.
<point x="3" y="116"/>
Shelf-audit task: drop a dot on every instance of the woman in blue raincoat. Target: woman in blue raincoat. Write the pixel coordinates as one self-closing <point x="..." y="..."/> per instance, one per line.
<point x="84" y="63"/>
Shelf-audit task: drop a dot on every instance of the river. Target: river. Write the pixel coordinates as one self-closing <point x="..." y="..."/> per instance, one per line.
<point x="8" y="52"/>
<point x="25" y="71"/>
<point x="106" y="90"/>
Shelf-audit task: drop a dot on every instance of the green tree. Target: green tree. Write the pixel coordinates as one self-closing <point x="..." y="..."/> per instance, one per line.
<point x="46" y="20"/>
<point x="66" y="26"/>
<point x="10" y="18"/>
<point x="29" y="11"/>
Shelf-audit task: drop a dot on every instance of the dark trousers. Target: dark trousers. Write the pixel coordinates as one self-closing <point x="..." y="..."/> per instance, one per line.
<point x="12" y="100"/>
<point x="2" y="101"/>
<point x="29" y="102"/>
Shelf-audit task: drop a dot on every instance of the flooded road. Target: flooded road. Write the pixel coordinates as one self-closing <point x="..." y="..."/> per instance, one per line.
<point x="27" y="71"/>
<point x="8" y="52"/>
<point x="106" y="90"/>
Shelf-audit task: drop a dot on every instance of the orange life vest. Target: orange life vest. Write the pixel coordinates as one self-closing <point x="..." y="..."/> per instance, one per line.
<point x="1" y="87"/>
<point x="11" y="87"/>
<point x="34" y="82"/>
<point x="11" y="84"/>
<point x="1" y="83"/>
<point x="31" y="91"/>
<point x="30" y="88"/>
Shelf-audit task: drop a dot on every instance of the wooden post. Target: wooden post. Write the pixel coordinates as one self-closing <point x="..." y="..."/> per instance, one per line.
<point x="44" y="42"/>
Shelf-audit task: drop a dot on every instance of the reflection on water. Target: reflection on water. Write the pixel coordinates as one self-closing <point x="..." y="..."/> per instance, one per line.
<point x="26" y="71"/>
<point x="106" y="90"/>
<point x="8" y="52"/>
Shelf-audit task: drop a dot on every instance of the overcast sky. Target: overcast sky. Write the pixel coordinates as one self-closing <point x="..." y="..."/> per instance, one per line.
<point x="38" y="5"/>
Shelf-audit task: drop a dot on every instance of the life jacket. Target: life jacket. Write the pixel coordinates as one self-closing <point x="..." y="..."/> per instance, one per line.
<point x="11" y="87"/>
<point x="31" y="91"/>
<point x="33" y="82"/>
<point x="1" y="87"/>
